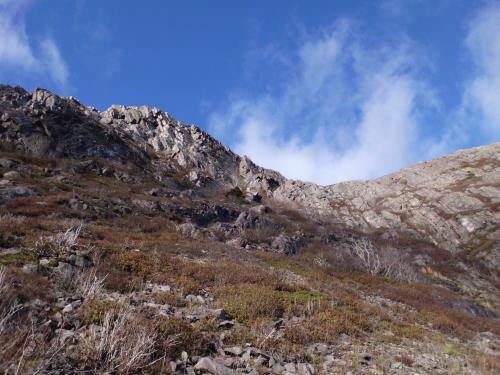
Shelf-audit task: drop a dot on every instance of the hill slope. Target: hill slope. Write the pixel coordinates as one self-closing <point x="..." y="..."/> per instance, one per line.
<point x="128" y="214"/>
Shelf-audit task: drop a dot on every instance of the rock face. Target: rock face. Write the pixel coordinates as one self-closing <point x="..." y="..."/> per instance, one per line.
<point x="452" y="201"/>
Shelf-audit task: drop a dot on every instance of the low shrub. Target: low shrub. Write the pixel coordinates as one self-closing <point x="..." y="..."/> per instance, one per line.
<point x="235" y="194"/>
<point x="169" y="298"/>
<point x="246" y="302"/>
<point x="95" y="311"/>
<point x="327" y="326"/>
<point x="195" y="339"/>
<point x="405" y="359"/>
<point x="133" y="261"/>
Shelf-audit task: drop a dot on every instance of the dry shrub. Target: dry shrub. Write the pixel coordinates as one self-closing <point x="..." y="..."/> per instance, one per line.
<point x="484" y="363"/>
<point x="323" y="327"/>
<point x="133" y="261"/>
<point x="229" y="273"/>
<point x="446" y="325"/>
<point x="95" y="311"/>
<point x="327" y="326"/>
<point x="261" y="235"/>
<point x="119" y="346"/>
<point x="194" y="339"/>
<point x="405" y="359"/>
<point x="58" y="244"/>
<point x="19" y="342"/>
<point x="411" y="332"/>
<point x="431" y="302"/>
<point x="169" y="298"/>
<point x="239" y="335"/>
<point x="7" y="309"/>
<point x="24" y="287"/>
<point x="15" y="224"/>
<point x="384" y="263"/>
<point x="89" y="284"/>
<point x="192" y="277"/>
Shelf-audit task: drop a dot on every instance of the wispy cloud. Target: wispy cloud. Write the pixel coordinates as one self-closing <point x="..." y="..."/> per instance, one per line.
<point x="53" y="63"/>
<point x="358" y="108"/>
<point x="482" y="95"/>
<point x="347" y="112"/>
<point x="18" y="53"/>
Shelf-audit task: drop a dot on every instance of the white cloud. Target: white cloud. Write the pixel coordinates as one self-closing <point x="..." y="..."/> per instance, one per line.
<point x="353" y="108"/>
<point x="14" y="45"/>
<point x="482" y="95"/>
<point x="16" y="50"/>
<point x="53" y="62"/>
<point x="348" y="112"/>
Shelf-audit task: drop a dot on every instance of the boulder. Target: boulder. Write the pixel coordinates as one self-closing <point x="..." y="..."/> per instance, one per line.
<point x="209" y="365"/>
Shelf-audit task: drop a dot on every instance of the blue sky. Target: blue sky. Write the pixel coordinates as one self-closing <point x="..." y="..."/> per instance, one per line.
<point x="323" y="91"/>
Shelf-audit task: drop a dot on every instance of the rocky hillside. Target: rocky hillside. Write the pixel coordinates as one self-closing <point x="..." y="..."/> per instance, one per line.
<point x="226" y="267"/>
<point x="452" y="201"/>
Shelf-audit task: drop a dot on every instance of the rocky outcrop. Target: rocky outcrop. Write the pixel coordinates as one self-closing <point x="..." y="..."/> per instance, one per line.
<point x="452" y="202"/>
<point x="44" y="124"/>
<point x="193" y="149"/>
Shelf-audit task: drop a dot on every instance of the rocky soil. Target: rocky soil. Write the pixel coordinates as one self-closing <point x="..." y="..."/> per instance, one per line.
<point x="132" y="243"/>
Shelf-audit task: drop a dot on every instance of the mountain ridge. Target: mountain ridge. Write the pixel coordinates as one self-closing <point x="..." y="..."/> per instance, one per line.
<point x="382" y="203"/>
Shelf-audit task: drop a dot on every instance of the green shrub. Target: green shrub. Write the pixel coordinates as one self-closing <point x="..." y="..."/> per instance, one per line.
<point x="246" y="302"/>
<point x="235" y="193"/>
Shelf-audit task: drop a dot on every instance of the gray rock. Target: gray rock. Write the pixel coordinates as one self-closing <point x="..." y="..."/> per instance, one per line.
<point x="220" y="314"/>
<point x="12" y="175"/>
<point x="11" y="251"/>
<point x="191" y="298"/>
<point x="188" y="229"/>
<point x="287" y="245"/>
<point x="7" y="163"/>
<point x="184" y="357"/>
<point x="44" y="262"/>
<point x="227" y="324"/>
<point x="64" y="335"/>
<point x="261" y="209"/>
<point x="278" y="369"/>
<point x="31" y="268"/>
<point x="305" y="369"/>
<point x="235" y="350"/>
<point x="290" y="367"/>
<point x="158" y="288"/>
<point x="19" y="191"/>
<point x="65" y="268"/>
<point x="209" y="365"/>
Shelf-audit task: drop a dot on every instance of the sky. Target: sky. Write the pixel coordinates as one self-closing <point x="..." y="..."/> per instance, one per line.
<point x="321" y="91"/>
